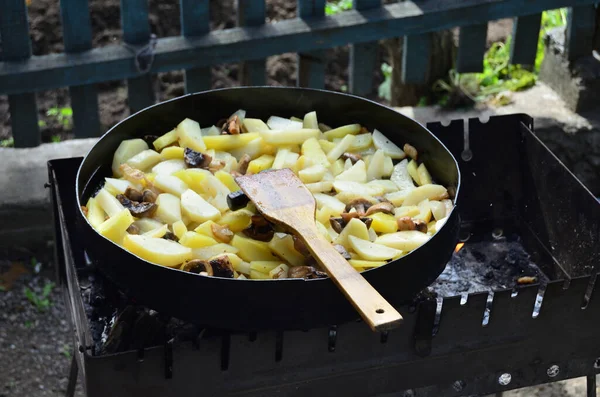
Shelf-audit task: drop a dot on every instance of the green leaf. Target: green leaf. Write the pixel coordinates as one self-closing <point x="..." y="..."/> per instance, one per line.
<point x="47" y="289"/>
<point x="8" y="142"/>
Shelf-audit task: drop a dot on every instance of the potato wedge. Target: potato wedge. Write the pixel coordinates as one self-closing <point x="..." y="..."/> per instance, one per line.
<point x="190" y="136"/>
<point x="179" y="229"/>
<point x="211" y="251"/>
<point x="383" y="223"/>
<point x="170" y="184"/>
<point x="280" y="123"/>
<point x="198" y="209"/>
<point x="255" y="125"/>
<point x="388" y="147"/>
<point x="283" y="247"/>
<point x="168" y="167"/>
<point x="431" y="192"/>
<point x="114" y="228"/>
<point x="108" y="203"/>
<point x="260" y="164"/>
<point x="406" y="240"/>
<point x="340" y="132"/>
<point x="356" y="173"/>
<point x="329" y="201"/>
<point x="424" y="176"/>
<point x="144" y="160"/>
<point x="95" y="213"/>
<point x="310" y="121"/>
<point x="372" y="251"/>
<point x="196" y="240"/>
<point x="126" y="150"/>
<point x="237" y="220"/>
<point x="312" y="174"/>
<point x="157" y="250"/>
<point x="376" y="165"/>
<point x="354" y="228"/>
<point x="226" y="143"/>
<point x="340" y="148"/>
<point x="312" y="149"/>
<point x="165" y="140"/>
<point x="288" y="137"/>
<point x="252" y="250"/>
<point x="363" y="264"/>
<point x="118" y="186"/>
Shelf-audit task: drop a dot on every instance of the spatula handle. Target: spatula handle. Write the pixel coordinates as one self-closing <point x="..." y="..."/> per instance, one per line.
<point x="373" y="308"/>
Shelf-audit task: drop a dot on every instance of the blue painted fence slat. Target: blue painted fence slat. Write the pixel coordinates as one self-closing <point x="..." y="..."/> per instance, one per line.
<point x="526" y="31"/>
<point x="471" y="48"/>
<point x="136" y="32"/>
<point x="311" y="64"/>
<point x="580" y="31"/>
<point x="77" y="36"/>
<point x="195" y="21"/>
<point x="16" y="46"/>
<point x="415" y="58"/>
<point x="252" y="13"/>
<point x="113" y="62"/>
<point x="363" y="57"/>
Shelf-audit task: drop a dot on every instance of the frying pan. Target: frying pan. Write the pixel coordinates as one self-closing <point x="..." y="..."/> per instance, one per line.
<point x="254" y="305"/>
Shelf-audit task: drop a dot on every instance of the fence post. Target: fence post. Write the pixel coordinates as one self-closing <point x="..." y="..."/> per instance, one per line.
<point x="471" y="48"/>
<point x="136" y="31"/>
<point x="311" y="65"/>
<point x="580" y="31"/>
<point x="195" y="21"/>
<point x="526" y="32"/>
<point x="77" y="36"/>
<point x="252" y="13"/>
<point x="363" y="57"/>
<point x="16" y="46"/>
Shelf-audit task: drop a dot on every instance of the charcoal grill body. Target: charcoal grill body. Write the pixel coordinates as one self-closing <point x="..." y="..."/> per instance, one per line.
<point x="513" y="183"/>
<point x="265" y="304"/>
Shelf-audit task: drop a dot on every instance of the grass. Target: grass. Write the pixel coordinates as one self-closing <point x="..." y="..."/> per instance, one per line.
<point x="498" y="75"/>
<point x="62" y="115"/>
<point x="41" y="302"/>
<point x="8" y="142"/>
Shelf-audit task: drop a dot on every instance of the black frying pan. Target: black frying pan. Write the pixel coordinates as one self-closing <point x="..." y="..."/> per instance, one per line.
<point x="249" y="305"/>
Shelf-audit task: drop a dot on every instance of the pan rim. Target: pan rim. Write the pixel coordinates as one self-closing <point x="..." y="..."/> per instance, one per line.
<point x="274" y="88"/>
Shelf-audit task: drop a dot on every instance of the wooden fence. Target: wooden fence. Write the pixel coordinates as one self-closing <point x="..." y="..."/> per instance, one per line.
<point x="140" y="55"/>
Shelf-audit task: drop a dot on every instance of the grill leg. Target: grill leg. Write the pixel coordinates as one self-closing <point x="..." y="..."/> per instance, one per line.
<point x="72" y="377"/>
<point x="591" y="385"/>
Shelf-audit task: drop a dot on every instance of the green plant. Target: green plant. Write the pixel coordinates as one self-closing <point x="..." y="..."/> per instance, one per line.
<point x="8" y="142"/>
<point x="28" y="324"/>
<point x="335" y="7"/>
<point x="2" y="288"/>
<point x="55" y="138"/>
<point x="63" y="116"/>
<point x="385" y="89"/>
<point x="41" y="302"/>
<point x="66" y="350"/>
<point x="498" y="74"/>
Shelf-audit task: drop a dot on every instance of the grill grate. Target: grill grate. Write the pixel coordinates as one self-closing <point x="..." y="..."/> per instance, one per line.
<point x="523" y="214"/>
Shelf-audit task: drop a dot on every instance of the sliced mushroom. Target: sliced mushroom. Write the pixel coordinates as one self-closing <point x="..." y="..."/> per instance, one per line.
<point x="134" y="194"/>
<point x="149" y="196"/>
<point x="140" y="210"/>
<point x="385" y="207"/>
<point x="340" y="248"/>
<point x="366" y="221"/>
<point x="198" y="266"/>
<point x="237" y="200"/>
<point x="354" y="157"/>
<point x="222" y="233"/>
<point x="222" y="267"/>
<point x="170" y="236"/>
<point x="133" y="229"/>
<point x="347" y="216"/>
<point x="405" y="223"/>
<point x="411" y="151"/>
<point x="216" y="165"/>
<point x="232" y="126"/>
<point x="260" y="229"/>
<point x="420" y="225"/>
<point x="300" y="246"/>
<point x="337" y="224"/>
<point x="307" y="272"/>
<point x="361" y="205"/>
<point x="243" y="164"/>
<point x="196" y="159"/>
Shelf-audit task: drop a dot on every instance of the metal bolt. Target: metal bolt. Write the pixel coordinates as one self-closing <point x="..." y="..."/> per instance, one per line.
<point x="553" y="371"/>
<point x="597" y="363"/>
<point x="504" y="379"/>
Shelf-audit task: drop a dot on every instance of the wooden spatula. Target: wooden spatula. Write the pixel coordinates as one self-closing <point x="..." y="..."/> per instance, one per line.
<point x="282" y="198"/>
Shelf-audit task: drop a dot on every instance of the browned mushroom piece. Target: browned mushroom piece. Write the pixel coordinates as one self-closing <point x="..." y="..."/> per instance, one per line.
<point x="353" y="157"/>
<point x="149" y="196"/>
<point x="366" y="221"/>
<point x="385" y="207"/>
<point x="133" y="229"/>
<point x="411" y="151"/>
<point x="340" y="248"/>
<point x="300" y="246"/>
<point x="337" y="224"/>
<point x="347" y="216"/>
<point x="260" y="229"/>
<point x="222" y="267"/>
<point x="196" y="159"/>
<point x="361" y="205"/>
<point x="243" y="164"/>
<point x="279" y="274"/>
<point x="84" y="210"/>
<point x="134" y="194"/>
<point x="308" y="272"/>
<point x="405" y="223"/>
<point x="198" y="266"/>
<point x="140" y="210"/>
<point x="420" y="225"/>
<point x="170" y="236"/>
<point x="216" y="165"/>
<point x="222" y="233"/>
<point x="232" y="126"/>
